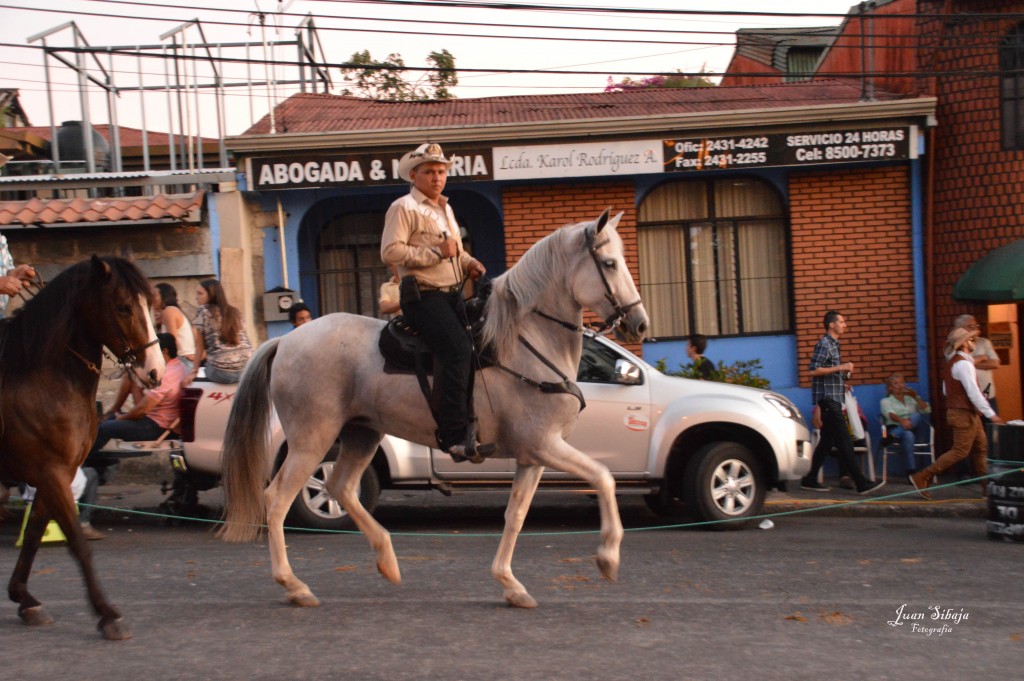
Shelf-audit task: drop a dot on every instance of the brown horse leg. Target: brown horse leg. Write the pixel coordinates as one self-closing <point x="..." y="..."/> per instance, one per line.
<point x="30" y="610"/>
<point x="111" y="624"/>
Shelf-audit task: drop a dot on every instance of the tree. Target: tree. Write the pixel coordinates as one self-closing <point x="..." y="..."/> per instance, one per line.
<point x="386" y="79"/>
<point x="656" y="82"/>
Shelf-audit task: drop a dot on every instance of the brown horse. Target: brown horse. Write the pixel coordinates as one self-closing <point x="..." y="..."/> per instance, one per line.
<point x="50" y="353"/>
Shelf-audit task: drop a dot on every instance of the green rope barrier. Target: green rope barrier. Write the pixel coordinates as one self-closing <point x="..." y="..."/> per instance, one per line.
<point x="780" y="514"/>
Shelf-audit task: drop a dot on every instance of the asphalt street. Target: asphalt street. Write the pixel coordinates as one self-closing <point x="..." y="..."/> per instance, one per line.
<point x="814" y="597"/>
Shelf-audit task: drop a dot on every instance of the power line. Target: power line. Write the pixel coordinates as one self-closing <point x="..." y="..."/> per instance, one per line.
<point x="773" y="34"/>
<point x="125" y="52"/>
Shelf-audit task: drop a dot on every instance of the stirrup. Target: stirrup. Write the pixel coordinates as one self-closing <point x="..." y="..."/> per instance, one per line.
<point x="474" y="452"/>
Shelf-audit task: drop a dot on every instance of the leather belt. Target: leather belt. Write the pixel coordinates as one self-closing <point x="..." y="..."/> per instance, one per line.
<point x="455" y="288"/>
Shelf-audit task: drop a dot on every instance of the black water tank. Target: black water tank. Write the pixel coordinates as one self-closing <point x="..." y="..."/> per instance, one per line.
<point x="72" y="146"/>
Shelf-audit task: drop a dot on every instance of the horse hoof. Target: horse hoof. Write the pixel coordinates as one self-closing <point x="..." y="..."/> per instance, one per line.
<point x="389" y="571"/>
<point x="609" y="569"/>
<point x="35" y="616"/>
<point x="115" y="630"/>
<point x="306" y="600"/>
<point x="521" y="600"/>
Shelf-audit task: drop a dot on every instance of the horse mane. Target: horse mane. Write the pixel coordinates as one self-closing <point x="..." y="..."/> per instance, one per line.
<point x="42" y="328"/>
<point x="520" y="289"/>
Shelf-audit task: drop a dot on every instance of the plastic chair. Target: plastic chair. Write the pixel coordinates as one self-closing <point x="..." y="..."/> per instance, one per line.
<point x="889" y="446"/>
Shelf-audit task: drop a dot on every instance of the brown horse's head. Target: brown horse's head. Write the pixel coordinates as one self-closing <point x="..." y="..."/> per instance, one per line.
<point x="117" y="314"/>
<point x="98" y="302"/>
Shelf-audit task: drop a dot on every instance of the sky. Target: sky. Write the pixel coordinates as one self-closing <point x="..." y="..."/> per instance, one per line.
<point x="618" y="42"/>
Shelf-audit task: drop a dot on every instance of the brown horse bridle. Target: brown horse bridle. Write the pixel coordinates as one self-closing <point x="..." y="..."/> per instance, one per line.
<point x="124" y="361"/>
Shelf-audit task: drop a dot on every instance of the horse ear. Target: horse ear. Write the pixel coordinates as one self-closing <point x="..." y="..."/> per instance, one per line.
<point x="602" y="220"/>
<point x="100" y="268"/>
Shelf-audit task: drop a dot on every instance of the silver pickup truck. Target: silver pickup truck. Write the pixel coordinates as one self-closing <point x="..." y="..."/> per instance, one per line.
<point x="709" y="450"/>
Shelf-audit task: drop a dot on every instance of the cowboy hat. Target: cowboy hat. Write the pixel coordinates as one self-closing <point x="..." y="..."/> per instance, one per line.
<point x="956" y="338"/>
<point x="424" y="153"/>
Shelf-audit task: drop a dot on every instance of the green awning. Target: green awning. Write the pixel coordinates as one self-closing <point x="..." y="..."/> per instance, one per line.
<point x="996" y="278"/>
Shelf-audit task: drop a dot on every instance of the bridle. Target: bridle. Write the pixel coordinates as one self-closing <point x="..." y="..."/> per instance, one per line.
<point x="123" y="361"/>
<point x="619" y="310"/>
<point x="566" y="385"/>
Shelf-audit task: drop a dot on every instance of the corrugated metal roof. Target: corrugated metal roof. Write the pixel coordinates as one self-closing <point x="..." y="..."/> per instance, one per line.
<point x="319" y="113"/>
<point x="184" y="207"/>
<point x="130" y="137"/>
<point x="206" y="174"/>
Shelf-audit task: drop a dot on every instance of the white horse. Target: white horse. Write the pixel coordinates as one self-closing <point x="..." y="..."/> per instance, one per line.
<point x="328" y="378"/>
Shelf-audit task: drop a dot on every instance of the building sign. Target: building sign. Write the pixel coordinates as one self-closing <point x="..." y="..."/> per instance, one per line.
<point x="347" y="170"/>
<point x="599" y="159"/>
<point x="588" y="159"/>
<point x="790" y="149"/>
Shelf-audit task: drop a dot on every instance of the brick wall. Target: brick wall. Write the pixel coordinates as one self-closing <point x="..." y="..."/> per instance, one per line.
<point x="851" y="244"/>
<point x="533" y="212"/>
<point x="977" y="185"/>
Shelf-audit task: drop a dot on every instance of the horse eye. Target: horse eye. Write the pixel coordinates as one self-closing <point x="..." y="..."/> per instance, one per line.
<point x="124" y="309"/>
<point x="610" y="264"/>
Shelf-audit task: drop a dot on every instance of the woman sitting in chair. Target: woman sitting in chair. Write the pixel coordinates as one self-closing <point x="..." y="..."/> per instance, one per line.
<point x="906" y="417"/>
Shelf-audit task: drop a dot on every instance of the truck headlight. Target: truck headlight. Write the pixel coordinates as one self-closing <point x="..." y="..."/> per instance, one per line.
<point x="785" y="407"/>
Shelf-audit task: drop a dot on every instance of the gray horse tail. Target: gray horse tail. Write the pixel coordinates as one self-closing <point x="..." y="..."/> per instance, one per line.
<point x="246" y="470"/>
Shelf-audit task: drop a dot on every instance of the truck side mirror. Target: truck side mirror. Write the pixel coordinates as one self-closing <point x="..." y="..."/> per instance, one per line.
<point x="627" y="373"/>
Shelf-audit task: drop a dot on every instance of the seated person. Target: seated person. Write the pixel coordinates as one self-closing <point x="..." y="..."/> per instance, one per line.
<point x="906" y="417"/>
<point x="147" y="420"/>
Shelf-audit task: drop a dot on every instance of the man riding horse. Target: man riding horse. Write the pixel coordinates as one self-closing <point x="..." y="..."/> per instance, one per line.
<point x="422" y="238"/>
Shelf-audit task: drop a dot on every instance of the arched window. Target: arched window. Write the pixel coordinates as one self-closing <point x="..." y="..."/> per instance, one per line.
<point x="349" y="270"/>
<point x="714" y="259"/>
<point x="1011" y="87"/>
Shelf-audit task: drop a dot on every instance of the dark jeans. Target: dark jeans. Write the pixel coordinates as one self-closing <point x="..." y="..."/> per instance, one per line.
<point x="919" y="432"/>
<point x="125" y="429"/>
<point x="834" y="433"/>
<point x="437" y="317"/>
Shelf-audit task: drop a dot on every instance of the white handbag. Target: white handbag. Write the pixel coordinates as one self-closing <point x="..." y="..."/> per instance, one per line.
<point x="853" y="416"/>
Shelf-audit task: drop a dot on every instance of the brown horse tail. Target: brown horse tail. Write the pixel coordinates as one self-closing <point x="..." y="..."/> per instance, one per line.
<point x="246" y="469"/>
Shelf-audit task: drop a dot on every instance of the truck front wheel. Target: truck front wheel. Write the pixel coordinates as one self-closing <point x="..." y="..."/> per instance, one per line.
<point x="723" y="485"/>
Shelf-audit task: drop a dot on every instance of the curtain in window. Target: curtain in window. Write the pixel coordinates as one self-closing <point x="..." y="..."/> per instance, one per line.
<point x="717" y="261"/>
<point x="663" y="280"/>
<point x="763" y="280"/>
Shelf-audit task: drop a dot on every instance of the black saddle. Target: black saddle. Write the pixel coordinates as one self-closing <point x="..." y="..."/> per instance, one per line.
<point x="406" y="353"/>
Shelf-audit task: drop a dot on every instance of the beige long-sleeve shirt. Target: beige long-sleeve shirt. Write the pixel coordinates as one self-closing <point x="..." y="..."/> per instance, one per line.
<point x="414" y="229"/>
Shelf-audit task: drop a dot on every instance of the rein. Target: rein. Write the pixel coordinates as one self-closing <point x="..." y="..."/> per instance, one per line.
<point x="565" y="386"/>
